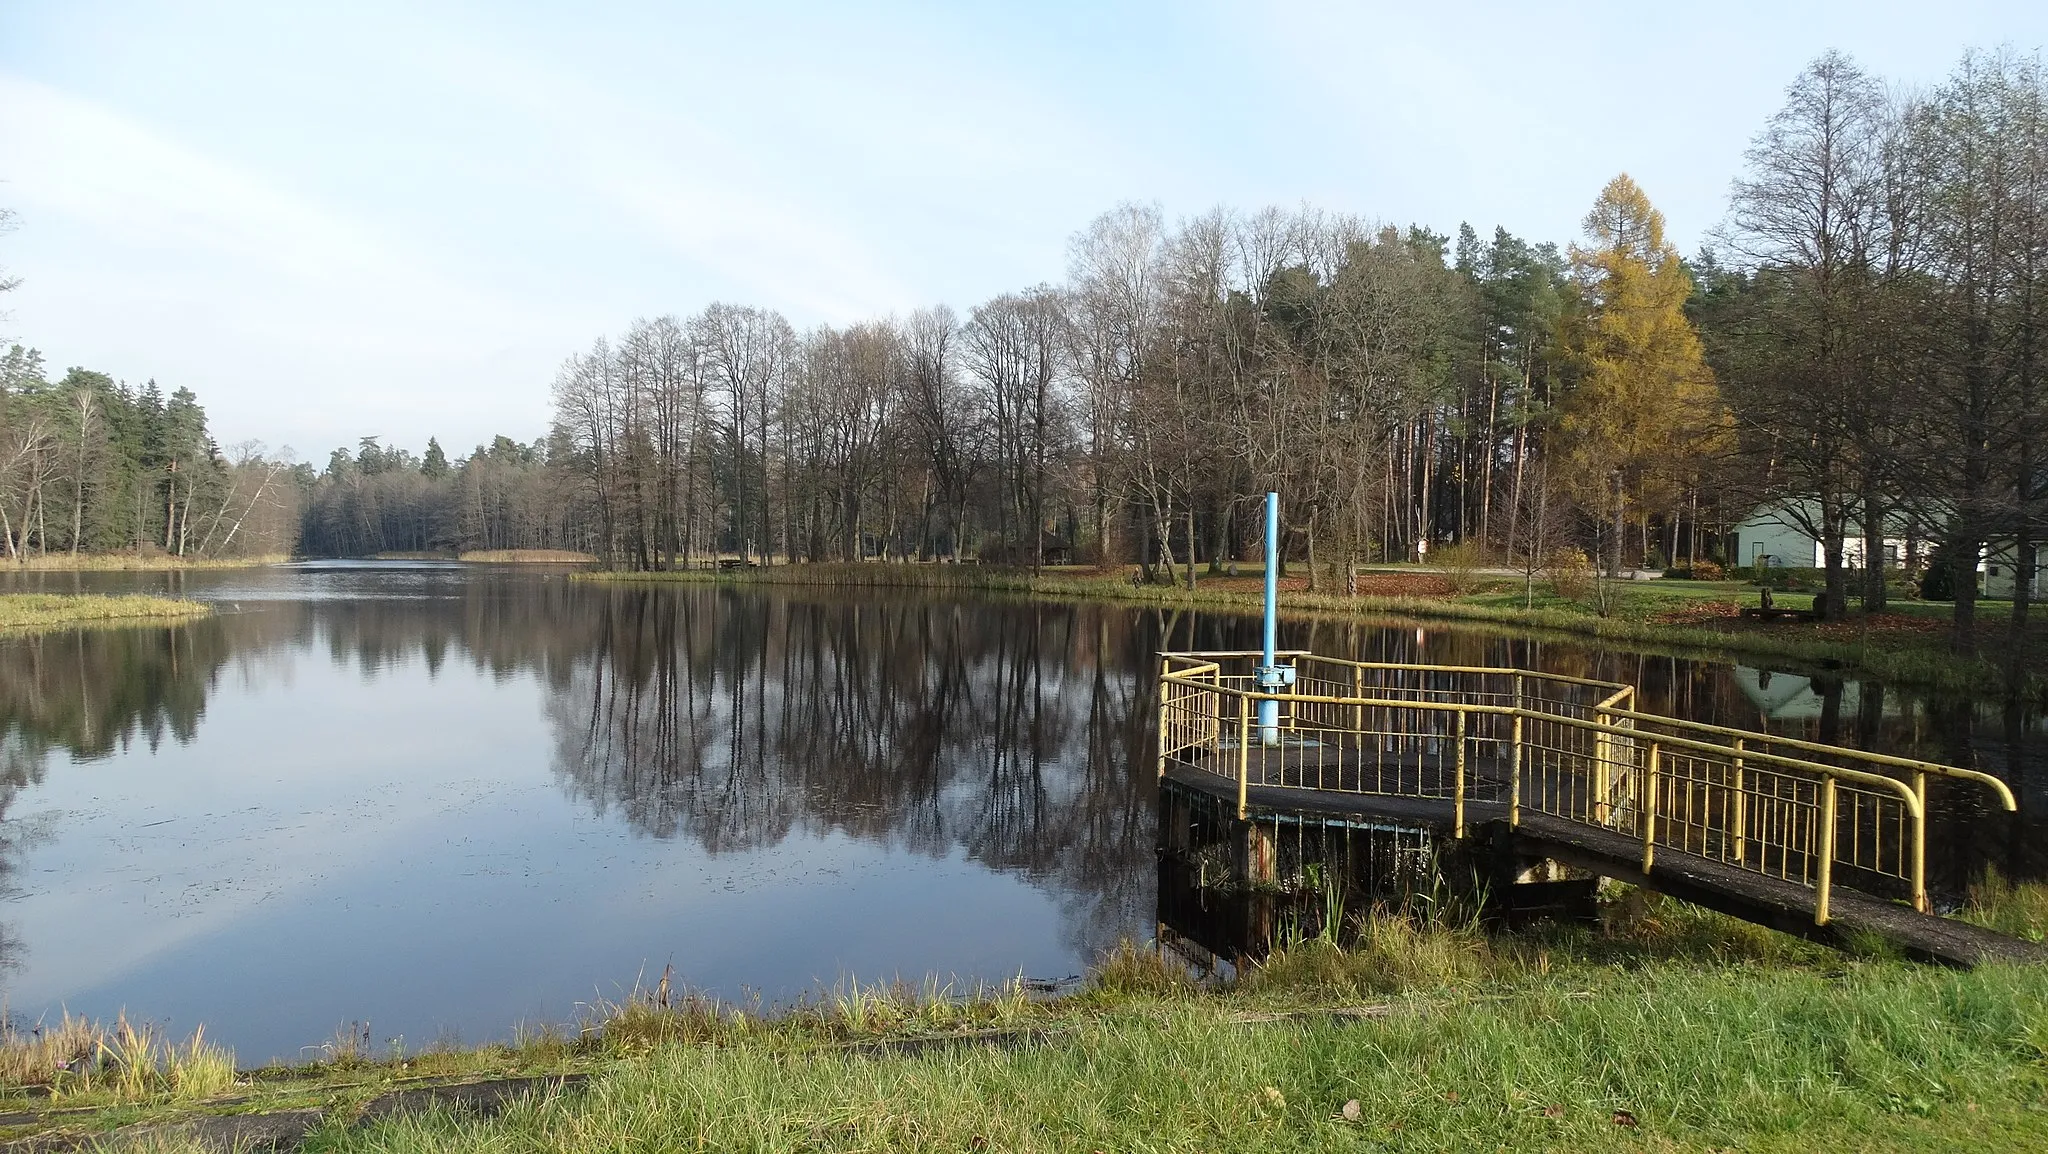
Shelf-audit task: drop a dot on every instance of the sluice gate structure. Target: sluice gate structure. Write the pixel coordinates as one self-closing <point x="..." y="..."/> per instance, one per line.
<point x="1535" y="774"/>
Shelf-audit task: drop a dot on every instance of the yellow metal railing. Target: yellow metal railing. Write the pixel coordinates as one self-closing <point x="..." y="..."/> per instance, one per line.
<point x="1569" y="748"/>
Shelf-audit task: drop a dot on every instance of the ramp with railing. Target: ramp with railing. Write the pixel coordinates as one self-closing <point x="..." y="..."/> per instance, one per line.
<point x="1785" y="832"/>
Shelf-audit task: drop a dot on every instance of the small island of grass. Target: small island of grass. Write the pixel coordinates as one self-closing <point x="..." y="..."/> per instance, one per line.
<point x="28" y="612"/>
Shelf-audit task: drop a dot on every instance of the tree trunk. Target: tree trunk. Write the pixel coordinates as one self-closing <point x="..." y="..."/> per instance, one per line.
<point x="1874" y="516"/>
<point x="1963" y="550"/>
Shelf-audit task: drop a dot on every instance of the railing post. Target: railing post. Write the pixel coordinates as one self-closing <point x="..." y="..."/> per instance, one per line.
<point x="1920" y="842"/>
<point x="1458" y="787"/>
<point x="1650" y="804"/>
<point x="1165" y="666"/>
<point x="1518" y="695"/>
<point x="1827" y="850"/>
<point x="1741" y="822"/>
<point x="1603" y="784"/>
<point x="1358" y="711"/>
<point x="1244" y="752"/>
<point x="1515" y="765"/>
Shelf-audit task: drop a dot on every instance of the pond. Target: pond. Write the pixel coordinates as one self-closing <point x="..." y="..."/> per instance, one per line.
<point x="443" y="800"/>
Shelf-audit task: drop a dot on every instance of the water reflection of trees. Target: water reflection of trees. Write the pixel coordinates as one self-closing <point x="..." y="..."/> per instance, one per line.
<point x="90" y="692"/>
<point x="1014" y="734"/>
<point x="1011" y="734"/>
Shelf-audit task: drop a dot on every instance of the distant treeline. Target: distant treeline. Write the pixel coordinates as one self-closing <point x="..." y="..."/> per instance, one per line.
<point x="504" y="495"/>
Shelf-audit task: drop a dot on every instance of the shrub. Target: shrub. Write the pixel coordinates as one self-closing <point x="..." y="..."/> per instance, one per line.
<point x="1571" y="574"/>
<point x="1697" y="571"/>
<point x="1938" y="579"/>
<point x="1460" y="564"/>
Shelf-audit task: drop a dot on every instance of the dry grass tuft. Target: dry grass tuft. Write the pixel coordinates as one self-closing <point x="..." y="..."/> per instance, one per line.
<point x="1133" y="971"/>
<point x="36" y="1055"/>
<point x="2016" y="908"/>
<point x="80" y="1056"/>
<point x="1385" y="953"/>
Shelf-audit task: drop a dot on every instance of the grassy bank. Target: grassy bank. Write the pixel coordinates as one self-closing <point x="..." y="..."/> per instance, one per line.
<point x="526" y="556"/>
<point x="1908" y="646"/>
<point x="490" y="556"/>
<point x="28" y="612"/>
<point x="1666" y="1028"/>
<point x="144" y="562"/>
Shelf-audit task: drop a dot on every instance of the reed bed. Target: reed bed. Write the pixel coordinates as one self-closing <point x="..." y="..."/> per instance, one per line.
<point x="526" y="556"/>
<point x="152" y="562"/>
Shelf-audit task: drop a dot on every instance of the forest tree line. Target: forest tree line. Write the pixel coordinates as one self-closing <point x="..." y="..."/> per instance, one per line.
<point x="90" y="465"/>
<point x="1860" y="339"/>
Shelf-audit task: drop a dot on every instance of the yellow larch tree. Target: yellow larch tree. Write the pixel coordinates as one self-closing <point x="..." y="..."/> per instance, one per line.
<point x="1643" y="409"/>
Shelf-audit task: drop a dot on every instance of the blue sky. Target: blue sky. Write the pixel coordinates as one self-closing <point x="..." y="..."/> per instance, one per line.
<point x="396" y="219"/>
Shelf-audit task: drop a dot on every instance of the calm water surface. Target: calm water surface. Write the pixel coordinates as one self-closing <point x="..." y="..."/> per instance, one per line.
<point x="448" y="799"/>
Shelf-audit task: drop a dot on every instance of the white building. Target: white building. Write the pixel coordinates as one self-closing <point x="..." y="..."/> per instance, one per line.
<point x="1776" y="535"/>
<point x="2001" y="571"/>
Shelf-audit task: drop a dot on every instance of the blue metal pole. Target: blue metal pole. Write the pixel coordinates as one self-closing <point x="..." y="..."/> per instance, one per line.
<point x="1269" y="711"/>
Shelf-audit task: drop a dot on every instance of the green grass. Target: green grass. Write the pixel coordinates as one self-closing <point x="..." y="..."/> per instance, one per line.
<point x="1889" y="1058"/>
<point x="2017" y="909"/>
<point x="28" y="612"/>
<point x="1664" y="1028"/>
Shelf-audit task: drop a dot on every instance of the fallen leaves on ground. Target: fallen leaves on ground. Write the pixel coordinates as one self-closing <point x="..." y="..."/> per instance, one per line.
<point x="1854" y="627"/>
<point x="1698" y="613"/>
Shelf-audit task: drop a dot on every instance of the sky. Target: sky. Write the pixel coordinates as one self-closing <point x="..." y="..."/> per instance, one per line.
<point x="396" y="219"/>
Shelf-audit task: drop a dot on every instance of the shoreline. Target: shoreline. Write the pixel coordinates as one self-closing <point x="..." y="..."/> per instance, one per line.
<point x="486" y="556"/>
<point x="133" y="563"/>
<point x="1887" y="651"/>
<point x="1711" y="1033"/>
